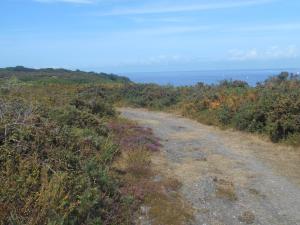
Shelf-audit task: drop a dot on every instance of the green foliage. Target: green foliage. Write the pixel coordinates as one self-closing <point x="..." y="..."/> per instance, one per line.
<point x="224" y="115"/>
<point x="56" y="158"/>
<point x="58" y="76"/>
<point x="250" y="117"/>
<point x="271" y="108"/>
<point x="149" y="95"/>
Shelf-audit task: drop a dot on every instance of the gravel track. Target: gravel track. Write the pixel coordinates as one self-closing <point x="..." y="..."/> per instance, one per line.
<point x="228" y="177"/>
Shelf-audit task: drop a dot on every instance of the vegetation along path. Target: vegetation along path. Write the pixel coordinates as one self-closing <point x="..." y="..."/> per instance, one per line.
<point x="228" y="177"/>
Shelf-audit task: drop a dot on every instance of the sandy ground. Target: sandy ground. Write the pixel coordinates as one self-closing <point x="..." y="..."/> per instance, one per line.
<point x="228" y="177"/>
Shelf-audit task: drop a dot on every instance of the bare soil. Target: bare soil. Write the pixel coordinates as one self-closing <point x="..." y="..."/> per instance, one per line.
<point x="228" y="177"/>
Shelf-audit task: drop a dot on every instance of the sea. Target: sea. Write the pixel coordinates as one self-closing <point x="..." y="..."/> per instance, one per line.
<point x="183" y="78"/>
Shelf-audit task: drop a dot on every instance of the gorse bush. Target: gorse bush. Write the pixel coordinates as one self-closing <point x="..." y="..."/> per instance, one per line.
<point x="55" y="159"/>
<point x="55" y="166"/>
<point x="66" y="158"/>
<point x="149" y="95"/>
<point x="271" y="108"/>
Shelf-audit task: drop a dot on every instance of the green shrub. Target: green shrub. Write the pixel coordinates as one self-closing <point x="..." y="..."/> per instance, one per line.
<point x="250" y="118"/>
<point x="224" y="115"/>
<point x="293" y="139"/>
<point x="271" y="108"/>
<point x="55" y="165"/>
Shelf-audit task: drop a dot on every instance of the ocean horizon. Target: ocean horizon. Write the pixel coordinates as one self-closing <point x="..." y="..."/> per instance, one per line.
<point x="182" y="78"/>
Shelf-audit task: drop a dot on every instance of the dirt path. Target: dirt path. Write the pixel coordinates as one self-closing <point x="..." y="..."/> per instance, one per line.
<point x="228" y="177"/>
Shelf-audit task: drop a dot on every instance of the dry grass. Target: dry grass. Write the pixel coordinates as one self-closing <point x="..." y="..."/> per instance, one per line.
<point x="172" y="184"/>
<point x="168" y="210"/>
<point x="225" y="189"/>
<point x="164" y="204"/>
<point x="138" y="163"/>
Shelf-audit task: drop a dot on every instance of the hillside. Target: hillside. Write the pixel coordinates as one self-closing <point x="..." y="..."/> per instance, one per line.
<point x="50" y="75"/>
<point x="67" y="158"/>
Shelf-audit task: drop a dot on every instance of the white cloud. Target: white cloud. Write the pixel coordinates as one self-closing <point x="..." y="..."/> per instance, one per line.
<point x="163" y="59"/>
<point x="273" y="52"/>
<point x="172" y="7"/>
<point x="241" y="55"/>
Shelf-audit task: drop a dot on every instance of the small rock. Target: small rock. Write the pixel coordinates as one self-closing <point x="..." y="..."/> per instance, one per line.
<point x="144" y="210"/>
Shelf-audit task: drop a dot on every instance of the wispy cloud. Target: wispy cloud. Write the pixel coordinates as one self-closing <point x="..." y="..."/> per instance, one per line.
<point x="186" y="29"/>
<point x="273" y="27"/>
<point x="165" y="30"/>
<point x="142" y="20"/>
<point x="172" y="7"/>
<point x="163" y="59"/>
<point x="274" y="52"/>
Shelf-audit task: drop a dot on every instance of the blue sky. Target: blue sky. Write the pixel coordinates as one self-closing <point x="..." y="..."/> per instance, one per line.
<point x="150" y="35"/>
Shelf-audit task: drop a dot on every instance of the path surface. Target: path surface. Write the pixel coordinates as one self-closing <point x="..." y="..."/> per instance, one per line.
<point x="228" y="177"/>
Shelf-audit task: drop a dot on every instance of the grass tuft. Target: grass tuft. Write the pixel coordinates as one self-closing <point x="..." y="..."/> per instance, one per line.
<point x="226" y="190"/>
